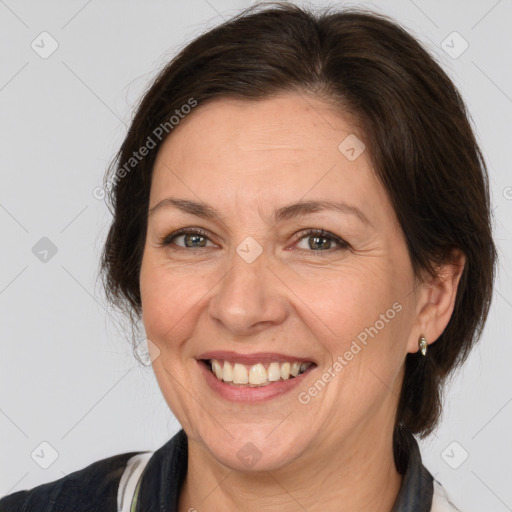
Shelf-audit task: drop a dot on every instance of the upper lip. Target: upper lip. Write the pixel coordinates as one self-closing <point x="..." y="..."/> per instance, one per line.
<point x="255" y="358"/>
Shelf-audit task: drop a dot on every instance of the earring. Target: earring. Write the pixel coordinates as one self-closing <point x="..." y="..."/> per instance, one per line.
<point x="423" y="344"/>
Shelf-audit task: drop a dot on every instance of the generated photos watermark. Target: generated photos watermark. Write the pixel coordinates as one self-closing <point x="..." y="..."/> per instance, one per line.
<point x="304" y="397"/>
<point x="156" y="136"/>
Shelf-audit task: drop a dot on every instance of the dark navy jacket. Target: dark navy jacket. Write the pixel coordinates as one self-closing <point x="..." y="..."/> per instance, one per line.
<point x="94" y="488"/>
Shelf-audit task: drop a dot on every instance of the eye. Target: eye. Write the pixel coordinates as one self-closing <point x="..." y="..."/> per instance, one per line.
<point x="317" y="240"/>
<point x="320" y="241"/>
<point x="192" y="238"/>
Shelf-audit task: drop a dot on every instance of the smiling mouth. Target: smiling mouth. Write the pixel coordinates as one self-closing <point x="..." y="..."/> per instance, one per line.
<point x="256" y="375"/>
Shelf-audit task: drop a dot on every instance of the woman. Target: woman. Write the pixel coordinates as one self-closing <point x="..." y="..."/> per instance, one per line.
<point x="302" y="223"/>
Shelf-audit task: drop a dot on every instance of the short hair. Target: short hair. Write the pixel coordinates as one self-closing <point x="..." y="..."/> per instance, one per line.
<point x="413" y="122"/>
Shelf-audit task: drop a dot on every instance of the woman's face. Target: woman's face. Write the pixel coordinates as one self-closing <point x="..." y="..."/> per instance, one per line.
<point x="256" y="292"/>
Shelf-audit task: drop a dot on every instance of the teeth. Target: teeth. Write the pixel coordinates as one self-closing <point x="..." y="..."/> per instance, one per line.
<point x="285" y="371"/>
<point x="295" y="369"/>
<point x="240" y="374"/>
<point x="256" y="375"/>
<point x="217" y="369"/>
<point x="227" y="372"/>
<point x="273" y="372"/>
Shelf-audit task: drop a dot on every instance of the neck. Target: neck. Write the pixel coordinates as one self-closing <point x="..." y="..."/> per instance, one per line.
<point x="362" y="476"/>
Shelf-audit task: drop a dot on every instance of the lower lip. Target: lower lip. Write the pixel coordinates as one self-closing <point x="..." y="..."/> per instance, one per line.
<point x="243" y="393"/>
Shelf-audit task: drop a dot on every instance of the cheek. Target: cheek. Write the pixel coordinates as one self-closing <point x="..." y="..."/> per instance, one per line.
<point x="350" y="298"/>
<point x="364" y="314"/>
<point x="170" y="297"/>
<point x="363" y="331"/>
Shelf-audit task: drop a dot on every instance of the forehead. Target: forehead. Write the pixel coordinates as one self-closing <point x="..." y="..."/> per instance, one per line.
<point x="276" y="150"/>
<point x="288" y="123"/>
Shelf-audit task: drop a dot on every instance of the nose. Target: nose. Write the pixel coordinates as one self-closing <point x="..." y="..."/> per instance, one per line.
<point x="250" y="297"/>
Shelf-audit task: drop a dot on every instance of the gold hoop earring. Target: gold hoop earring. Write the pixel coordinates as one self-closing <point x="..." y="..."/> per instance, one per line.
<point x="423" y="344"/>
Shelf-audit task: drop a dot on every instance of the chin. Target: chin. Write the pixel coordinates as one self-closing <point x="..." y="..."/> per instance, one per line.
<point x="253" y="449"/>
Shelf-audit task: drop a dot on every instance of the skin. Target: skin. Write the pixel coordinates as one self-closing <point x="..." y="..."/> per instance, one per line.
<point x="247" y="159"/>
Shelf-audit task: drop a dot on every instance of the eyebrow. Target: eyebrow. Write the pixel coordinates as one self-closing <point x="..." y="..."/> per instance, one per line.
<point x="290" y="211"/>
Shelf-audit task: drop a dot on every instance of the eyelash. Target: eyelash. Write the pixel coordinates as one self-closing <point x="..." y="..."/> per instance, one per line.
<point x="167" y="240"/>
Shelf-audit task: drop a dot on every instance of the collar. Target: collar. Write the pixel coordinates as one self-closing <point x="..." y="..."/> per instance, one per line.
<point x="165" y="473"/>
<point x="417" y="490"/>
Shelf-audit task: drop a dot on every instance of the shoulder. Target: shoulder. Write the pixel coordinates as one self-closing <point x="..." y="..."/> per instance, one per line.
<point x="441" y="501"/>
<point x="92" y="488"/>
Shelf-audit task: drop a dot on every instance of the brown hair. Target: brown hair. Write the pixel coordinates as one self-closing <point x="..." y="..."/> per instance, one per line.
<point x="415" y="127"/>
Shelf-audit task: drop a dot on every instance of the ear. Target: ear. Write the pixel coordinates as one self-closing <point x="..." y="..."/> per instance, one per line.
<point x="436" y="300"/>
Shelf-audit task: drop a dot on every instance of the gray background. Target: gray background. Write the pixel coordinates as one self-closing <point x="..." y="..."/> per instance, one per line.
<point x="67" y="373"/>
